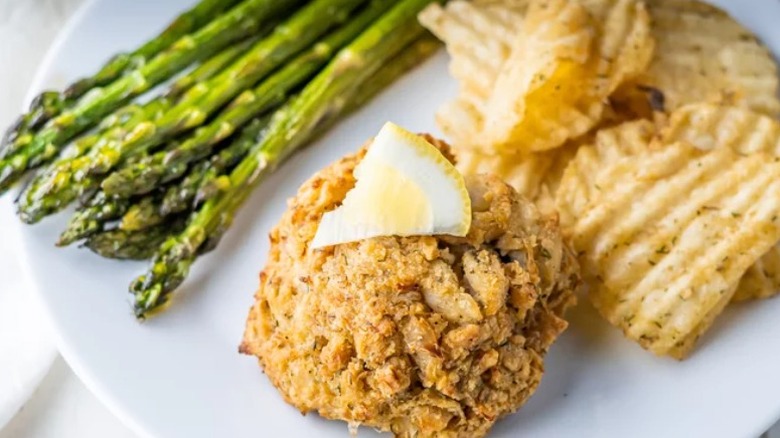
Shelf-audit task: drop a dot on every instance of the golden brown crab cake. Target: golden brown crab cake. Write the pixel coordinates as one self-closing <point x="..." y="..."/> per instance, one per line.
<point x="420" y="336"/>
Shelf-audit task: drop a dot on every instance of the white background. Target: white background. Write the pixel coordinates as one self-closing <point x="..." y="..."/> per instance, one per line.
<point x="62" y="407"/>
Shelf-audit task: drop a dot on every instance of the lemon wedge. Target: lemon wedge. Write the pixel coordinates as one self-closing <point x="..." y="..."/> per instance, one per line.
<point x="404" y="187"/>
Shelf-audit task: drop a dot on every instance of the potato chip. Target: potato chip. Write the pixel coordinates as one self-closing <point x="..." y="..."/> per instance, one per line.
<point x="702" y="55"/>
<point x="535" y="176"/>
<point x="703" y="126"/>
<point x="479" y="36"/>
<point x="762" y="280"/>
<point x="670" y="233"/>
<point x="576" y="189"/>
<point x="709" y="125"/>
<point x="548" y="58"/>
<point x="571" y="55"/>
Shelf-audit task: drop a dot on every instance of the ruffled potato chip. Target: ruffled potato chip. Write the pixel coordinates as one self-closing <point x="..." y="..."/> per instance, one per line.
<point x="704" y="126"/>
<point x="535" y="175"/>
<point x="707" y="126"/>
<point x="555" y="85"/>
<point x="669" y="233"/>
<point x="479" y="36"/>
<point x="701" y="55"/>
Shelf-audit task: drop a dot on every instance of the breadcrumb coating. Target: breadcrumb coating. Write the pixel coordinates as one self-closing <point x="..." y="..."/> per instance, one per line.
<point x="421" y="336"/>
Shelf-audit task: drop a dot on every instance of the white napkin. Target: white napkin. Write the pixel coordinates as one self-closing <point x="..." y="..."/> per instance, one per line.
<point x="26" y="349"/>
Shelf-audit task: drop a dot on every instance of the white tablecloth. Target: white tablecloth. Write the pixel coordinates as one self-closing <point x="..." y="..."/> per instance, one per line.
<point x="61" y="407"/>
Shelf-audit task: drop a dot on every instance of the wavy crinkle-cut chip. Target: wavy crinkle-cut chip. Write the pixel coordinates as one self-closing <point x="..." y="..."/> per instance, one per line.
<point x="762" y="280"/>
<point x="707" y="126"/>
<point x="576" y="187"/>
<point x="704" y="126"/>
<point x="670" y="234"/>
<point x="479" y="36"/>
<point x="702" y="55"/>
<point x="535" y="175"/>
<point x="569" y="58"/>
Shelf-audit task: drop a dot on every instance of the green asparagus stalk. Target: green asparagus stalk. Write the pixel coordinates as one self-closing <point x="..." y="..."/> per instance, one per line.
<point x="143" y="214"/>
<point x="108" y="127"/>
<point x="154" y="208"/>
<point x="289" y="38"/>
<point x="61" y="181"/>
<point x="61" y="178"/>
<point x="214" y="183"/>
<point x="132" y="245"/>
<point x="156" y="169"/>
<point x="50" y="103"/>
<point x="96" y="210"/>
<point x="182" y="196"/>
<point x="190" y="21"/>
<point x="178" y="198"/>
<point x="45" y="106"/>
<point x="209" y="68"/>
<point x="91" y="219"/>
<point x="240" y="22"/>
<point x="290" y="128"/>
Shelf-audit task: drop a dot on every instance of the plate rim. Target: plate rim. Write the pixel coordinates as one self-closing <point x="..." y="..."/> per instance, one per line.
<point x="65" y="349"/>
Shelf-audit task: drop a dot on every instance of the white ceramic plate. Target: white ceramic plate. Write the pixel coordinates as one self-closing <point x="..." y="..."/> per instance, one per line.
<point x="180" y="375"/>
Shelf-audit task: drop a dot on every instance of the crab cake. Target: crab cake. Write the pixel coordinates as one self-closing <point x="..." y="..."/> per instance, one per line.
<point x="421" y="336"/>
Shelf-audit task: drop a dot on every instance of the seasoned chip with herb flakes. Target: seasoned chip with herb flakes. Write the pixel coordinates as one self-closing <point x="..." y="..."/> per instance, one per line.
<point x="535" y="176"/>
<point x="569" y="58"/>
<point x="479" y="36"/>
<point x="702" y="55"/>
<point x="661" y="246"/>
<point x="669" y="235"/>
<point x="544" y="80"/>
<point x="702" y="125"/>
<point x="707" y="126"/>
<point x="576" y="188"/>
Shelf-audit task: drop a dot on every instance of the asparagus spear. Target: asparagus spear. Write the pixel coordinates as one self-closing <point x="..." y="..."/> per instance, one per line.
<point x="35" y="202"/>
<point x="154" y="208"/>
<point x="144" y="214"/>
<point x="61" y="182"/>
<point x="156" y="169"/>
<point x="190" y="21"/>
<point x="287" y="39"/>
<point x="45" y="106"/>
<point x="90" y="219"/>
<point x="290" y="128"/>
<point x="50" y="103"/>
<point x="198" y="103"/>
<point x="178" y="198"/>
<point x="132" y="245"/>
<point x="210" y="68"/>
<point x="244" y="20"/>
<point x="214" y="183"/>
<point x="181" y="197"/>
